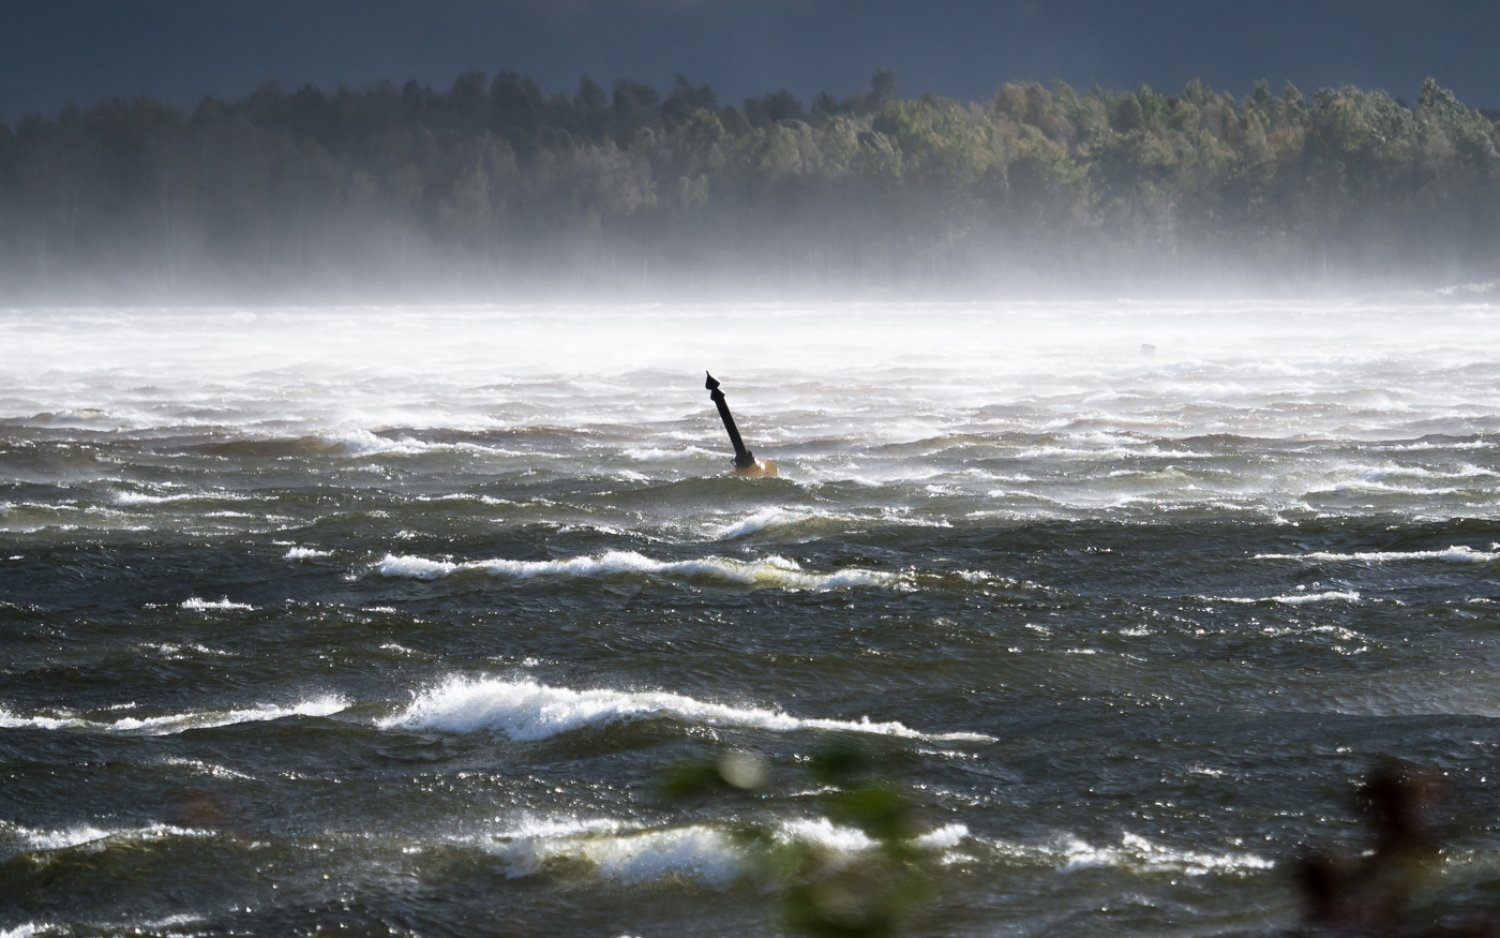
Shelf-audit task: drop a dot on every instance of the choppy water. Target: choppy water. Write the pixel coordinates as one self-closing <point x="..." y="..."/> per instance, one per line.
<point x="394" y="621"/>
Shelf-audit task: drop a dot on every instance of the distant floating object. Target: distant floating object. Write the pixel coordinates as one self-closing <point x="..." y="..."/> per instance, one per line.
<point x="1148" y="349"/>
<point x="745" y="463"/>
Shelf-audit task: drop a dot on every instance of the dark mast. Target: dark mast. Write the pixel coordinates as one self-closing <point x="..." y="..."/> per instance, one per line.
<point x="742" y="457"/>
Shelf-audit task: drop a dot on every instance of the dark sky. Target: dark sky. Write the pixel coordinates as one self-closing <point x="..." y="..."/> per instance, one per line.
<point x="56" y="51"/>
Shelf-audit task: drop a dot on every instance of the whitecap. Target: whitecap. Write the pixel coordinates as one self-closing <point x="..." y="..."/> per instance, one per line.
<point x="416" y="568"/>
<point x="755" y="523"/>
<point x="14" y="721"/>
<point x="143" y="498"/>
<point x="176" y="652"/>
<point x="196" y="604"/>
<point x="305" y="553"/>
<point x="173" y="723"/>
<point x="1290" y="599"/>
<point x="946" y="837"/>
<point x="206" y="719"/>
<point x="489" y="500"/>
<point x="526" y="711"/>
<point x="1465" y="471"/>
<point x="360" y="442"/>
<point x="206" y="768"/>
<point x="365" y="443"/>
<point x="1426" y="445"/>
<point x="710" y="857"/>
<point x="1298" y="599"/>
<point x="1456" y="554"/>
<point x="707" y="855"/>
<point x="1068" y="853"/>
<point x="63" y="838"/>
<point x="532" y="827"/>
<point x="767" y="572"/>
<point x="822" y="833"/>
<point x="81" y="835"/>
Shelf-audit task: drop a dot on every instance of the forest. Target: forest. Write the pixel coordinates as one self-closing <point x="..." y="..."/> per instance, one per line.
<point x="495" y="190"/>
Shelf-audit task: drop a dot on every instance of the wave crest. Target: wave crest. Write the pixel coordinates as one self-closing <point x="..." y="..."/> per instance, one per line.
<point x="1458" y="553"/>
<point x="526" y="711"/>
<point x="173" y="723"/>
<point x="703" y="853"/>
<point x="768" y="572"/>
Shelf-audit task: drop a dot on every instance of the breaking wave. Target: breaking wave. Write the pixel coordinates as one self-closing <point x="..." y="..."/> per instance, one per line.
<point x="196" y="604"/>
<point x="769" y="572"/>
<point x="1295" y="599"/>
<point x="79" y="835"/>
<point x="1456" y="554"/>
<point x="706" y="854"/>
<point x="784" y="521"/>
<point x="1069" y="853"/>
<point x="173" y="723"/>
<point x="526" y="711"/>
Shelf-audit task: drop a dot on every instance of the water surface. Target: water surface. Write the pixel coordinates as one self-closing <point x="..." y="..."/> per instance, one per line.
<point x="393" y="620"/>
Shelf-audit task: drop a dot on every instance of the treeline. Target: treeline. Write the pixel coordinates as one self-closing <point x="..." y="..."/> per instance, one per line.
<point x="493" y="188"/>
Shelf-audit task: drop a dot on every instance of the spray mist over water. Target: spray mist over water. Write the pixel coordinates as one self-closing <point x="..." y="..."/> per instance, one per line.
<point x="383" y="365"/>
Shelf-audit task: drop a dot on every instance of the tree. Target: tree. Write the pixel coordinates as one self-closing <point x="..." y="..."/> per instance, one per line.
<point x="633" y="107"/>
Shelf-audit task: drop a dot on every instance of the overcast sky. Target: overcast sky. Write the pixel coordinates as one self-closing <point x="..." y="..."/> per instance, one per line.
<point x="56" y="51"/>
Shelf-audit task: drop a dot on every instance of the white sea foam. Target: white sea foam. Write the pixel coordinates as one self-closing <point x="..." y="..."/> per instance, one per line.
<point x="1465" y="471"/>
<point x="361" y="442"/>
<point x="206" y="768"/>
<point x="946" y="837"/>
<point x="62" y="838"/>
<point x="170" y="922"/>
<point x="1298" y="599"/>
<point x="702" y="854"/>
<point x="365" y="443"/>
<point x="1456" y="554"/>
<point x="205" y="719"/>
<point x="705" y="854"/>
<point x="825" y="835"/>
<point x="527" y="711"/>
<point x="80" y="835"/>
<point x="415" y="568"/>
<point x="143" y="498"/>
<point x="768" y="572"/>
<point x="175" y="652"/>
<point x="756" y="523"/>
<point x="197" y="604"/>
<point x="772" y="519"/>
<point x="489" y="500"/>
<point x="1425" y="446"/>
<point x="531" y="827"/>
<point x="305" y="553"/>
<point x="399" y="649"/>
<point x="171" y="724"/>
<point x="1069" y="853"/>
<point x="13" y="721"/>
<point x="1292" y="599"/>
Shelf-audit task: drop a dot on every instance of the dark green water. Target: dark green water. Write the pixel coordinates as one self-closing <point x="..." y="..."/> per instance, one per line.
<point x="394" y="622"/>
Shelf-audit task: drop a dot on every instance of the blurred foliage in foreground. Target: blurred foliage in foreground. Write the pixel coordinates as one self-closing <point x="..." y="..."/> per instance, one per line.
<point x="1394" y="886"/>
<point x="827" y="893"/>
<point x="492" y="187"/>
